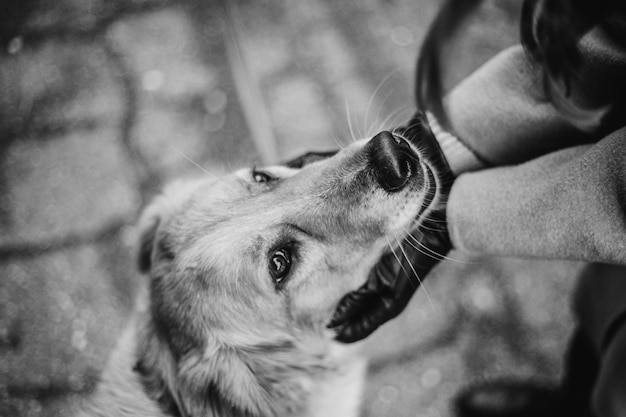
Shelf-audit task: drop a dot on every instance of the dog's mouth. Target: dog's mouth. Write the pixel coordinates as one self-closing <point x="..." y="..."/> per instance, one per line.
<point x="392" y="160"/>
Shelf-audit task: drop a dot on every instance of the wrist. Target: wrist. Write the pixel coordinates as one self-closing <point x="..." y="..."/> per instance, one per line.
<point x="459" y="156"/>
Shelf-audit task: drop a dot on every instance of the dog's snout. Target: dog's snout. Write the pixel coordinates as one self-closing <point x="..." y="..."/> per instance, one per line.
<point x="392" y="161"/>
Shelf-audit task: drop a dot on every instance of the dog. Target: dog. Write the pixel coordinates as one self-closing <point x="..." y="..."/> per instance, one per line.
<point x="245" y="271"/>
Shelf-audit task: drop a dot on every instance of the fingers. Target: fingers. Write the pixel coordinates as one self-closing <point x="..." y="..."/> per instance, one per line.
<point x="354" y="332"/>
<point x="361" y="326"/>
<point x="380" y="280"/>
<point x="385" y="294"/>
<point x="351" y="305"/>
<point x="359" y="314"/>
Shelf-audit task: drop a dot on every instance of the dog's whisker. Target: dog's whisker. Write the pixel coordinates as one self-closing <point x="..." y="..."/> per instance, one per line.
<point x="399" y="245"/>
<point x="419" y="280"/>
<point x="394" y="253"/>
<point x="338" y="142"/>
<point x="389" y="244"/>
<point x="396" y="119"/>
<point x="433" y="254"/>
<point x="387" y="121"/>
<point x="371" y="100"/>
<point x="428" y="211"/>
<point x="375" y="126"/>
<point x="423" y="249"/>
<point x="434" y="220"/>
<point x="350" y="127"/>
<point x="429" y="228"/>
<point x="197" y="165"/>
<point x="385" y="124"/>
<point x="403" y="113"/>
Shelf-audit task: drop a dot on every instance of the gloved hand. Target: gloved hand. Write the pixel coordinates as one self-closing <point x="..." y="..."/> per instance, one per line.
<point x="392" y="282"/>
<point x="396" y="277"/>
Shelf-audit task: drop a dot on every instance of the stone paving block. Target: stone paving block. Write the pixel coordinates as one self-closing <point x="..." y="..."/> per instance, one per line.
<point x="175" y="142"/>
<point x="73" y="184"/>
<point x="364" y="107"/>
<point x="72" y="14"/>
<point x="188" y="105"/>
<point x="55" y="406"/>
<point x="59" y="319"/>
<point x="57" y="85"/>
<point x="519" y="310"/>
<point x="555" y="279"/>
<point x="300" y="122"/>
<point x="422" y="387"/>
<point x="297" y="101"/>
<point x="545" y="290"/>
<point x="162" y="52"/>
<point x="77" y="14"/>
<point x="320" y="54"/>
<point x="267" y="48"/>
<point x="369" y="33"/>
<point x="61" y="314"/>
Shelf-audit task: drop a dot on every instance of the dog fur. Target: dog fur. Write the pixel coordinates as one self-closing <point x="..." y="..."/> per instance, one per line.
<point x="217" y="335"/>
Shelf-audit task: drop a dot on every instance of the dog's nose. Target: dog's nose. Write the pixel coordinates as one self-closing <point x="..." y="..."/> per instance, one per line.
<point x="392" y="161"/>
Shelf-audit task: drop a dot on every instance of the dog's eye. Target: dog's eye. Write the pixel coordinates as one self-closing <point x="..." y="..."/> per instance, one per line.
<point x="280" y="264"/>
<point x="261" y="177"/>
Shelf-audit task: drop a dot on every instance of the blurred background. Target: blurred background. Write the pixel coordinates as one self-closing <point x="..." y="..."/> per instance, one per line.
<point x="104" y="101"/>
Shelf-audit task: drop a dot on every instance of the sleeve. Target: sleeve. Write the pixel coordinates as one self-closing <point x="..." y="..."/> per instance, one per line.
<point x="502" y="113"/>
<point x="561" y="191"/>
<point x="569" y="204"/>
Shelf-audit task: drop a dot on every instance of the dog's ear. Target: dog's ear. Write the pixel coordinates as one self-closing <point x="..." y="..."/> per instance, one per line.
<point x="152" y="237"/>
<point x="154" y="241"/>
<point x="148" y="226"/>
<point x="221" y="383"/>
<point x="207" y="382"/>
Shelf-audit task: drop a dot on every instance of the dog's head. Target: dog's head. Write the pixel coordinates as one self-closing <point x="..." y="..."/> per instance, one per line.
<point x="261" y="257"/>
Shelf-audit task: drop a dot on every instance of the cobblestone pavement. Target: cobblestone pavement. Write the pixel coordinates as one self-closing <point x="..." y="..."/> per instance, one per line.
<point x="103" y="101"/>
